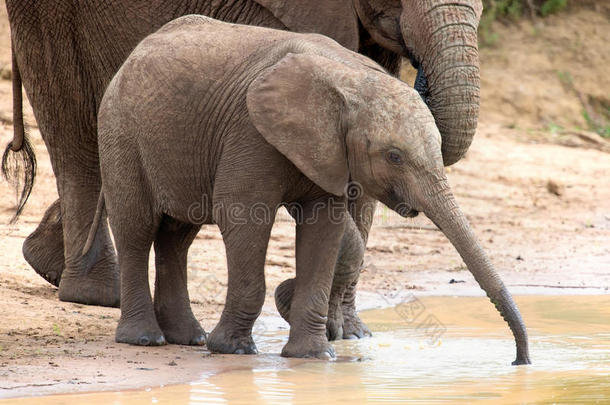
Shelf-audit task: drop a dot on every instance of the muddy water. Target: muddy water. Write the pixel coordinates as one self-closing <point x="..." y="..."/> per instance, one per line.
<point x="428" y="350"/>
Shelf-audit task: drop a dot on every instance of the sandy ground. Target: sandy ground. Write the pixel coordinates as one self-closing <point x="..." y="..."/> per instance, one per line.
<point x="540" y="208"/>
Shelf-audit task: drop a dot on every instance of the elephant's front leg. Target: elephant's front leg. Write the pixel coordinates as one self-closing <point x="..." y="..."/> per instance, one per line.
<point x="246" y="247"/>
<point x="318" y="238"/>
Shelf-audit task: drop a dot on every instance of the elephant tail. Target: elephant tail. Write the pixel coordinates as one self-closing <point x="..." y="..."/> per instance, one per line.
<point x="99" y="212"/>
<point x="19" y="154"/>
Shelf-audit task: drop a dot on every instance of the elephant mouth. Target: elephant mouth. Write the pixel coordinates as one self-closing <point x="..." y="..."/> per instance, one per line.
<point x="395" y="202"/>
<point x="405" y="211"/>
<point x="421" y="82"/>
<point x="421" y="85"/>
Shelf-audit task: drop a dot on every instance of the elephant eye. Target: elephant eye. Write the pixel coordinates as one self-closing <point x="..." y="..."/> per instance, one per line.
<point x="394" y="156"/>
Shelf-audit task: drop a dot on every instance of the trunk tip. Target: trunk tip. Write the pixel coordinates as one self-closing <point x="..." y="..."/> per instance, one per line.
<point x="521" y="361"/>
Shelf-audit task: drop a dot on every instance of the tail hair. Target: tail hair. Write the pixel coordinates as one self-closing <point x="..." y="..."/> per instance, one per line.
<point x="15" y="162"/>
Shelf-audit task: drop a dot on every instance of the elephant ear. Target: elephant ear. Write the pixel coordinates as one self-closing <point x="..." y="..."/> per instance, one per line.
<point x="336" y="19"/>
<point x="298" y="106"/>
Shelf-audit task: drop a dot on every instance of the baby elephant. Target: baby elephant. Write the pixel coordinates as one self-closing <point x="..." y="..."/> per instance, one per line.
<point x="208" y="122"/>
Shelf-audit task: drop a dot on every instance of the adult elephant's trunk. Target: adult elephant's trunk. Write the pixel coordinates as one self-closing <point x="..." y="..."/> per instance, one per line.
<point x="442" y="37"/>
<point x="440" y="206"/>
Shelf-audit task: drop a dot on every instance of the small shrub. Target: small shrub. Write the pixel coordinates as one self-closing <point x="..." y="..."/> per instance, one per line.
<point x="597" y="126"/>
<point x="508" y="10"/>
<point x="552" y="6"/>
<point x="566" y="78"/>
<point x="554" y="128"/>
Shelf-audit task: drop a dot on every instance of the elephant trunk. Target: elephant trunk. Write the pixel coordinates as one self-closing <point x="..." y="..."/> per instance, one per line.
<point x="439" y="205"/>
<point x="448" y="58"/>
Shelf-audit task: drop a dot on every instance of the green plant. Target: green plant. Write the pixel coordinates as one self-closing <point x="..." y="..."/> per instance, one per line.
<point x="554" y="128"/>
<point x="596" y="126"/>
<point x="494" y="10"/>
<point x="512" y="10"/>
<point x="552" y="6"/>
<point x="566" y="78"/>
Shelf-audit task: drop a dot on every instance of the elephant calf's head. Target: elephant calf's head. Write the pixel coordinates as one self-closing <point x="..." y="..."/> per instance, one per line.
<point x="337" y="122"/>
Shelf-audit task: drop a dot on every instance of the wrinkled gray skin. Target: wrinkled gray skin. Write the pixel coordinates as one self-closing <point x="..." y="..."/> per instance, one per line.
<point x="67" y="53"/>
<point x="251" y="117"/>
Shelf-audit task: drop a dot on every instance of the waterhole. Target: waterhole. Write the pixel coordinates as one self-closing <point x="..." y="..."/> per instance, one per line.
<point x="429" y="350"/>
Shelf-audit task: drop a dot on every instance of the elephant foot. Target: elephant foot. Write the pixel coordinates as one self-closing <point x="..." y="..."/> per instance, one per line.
<point x="44" y="248"/>
<point x="343" y="321"/>
<point x="182" y="330"/>
<point x="98" y="286"/>
<point x="311" y="348"/>
<point x="140" y="333"/>
<point x="196" y="336"/>
<point x="353" y="327"/>
<point x="221" y="340"/>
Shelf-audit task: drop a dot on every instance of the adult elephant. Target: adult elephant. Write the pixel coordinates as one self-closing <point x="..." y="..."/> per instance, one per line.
<point x="65" y="54"/>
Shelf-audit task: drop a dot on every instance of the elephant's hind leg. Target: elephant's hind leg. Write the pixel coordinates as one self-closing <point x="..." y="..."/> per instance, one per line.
<point x="92" y="284"/>
<point x="134" y="229"/>
<point x="96" y="283"/>
<point x="172" y="304"/>
<point x="66" y="116"/>
<point x="138" y="324"/>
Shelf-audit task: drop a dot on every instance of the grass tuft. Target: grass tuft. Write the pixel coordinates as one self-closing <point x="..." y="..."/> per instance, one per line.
<point x="512" y="10"/>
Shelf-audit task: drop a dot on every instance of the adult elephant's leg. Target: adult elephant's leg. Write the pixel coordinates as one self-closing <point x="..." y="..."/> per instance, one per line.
<point x="64" y="98"/>
<point x="96" y="282"/>
<point x="69" y="132"/>
<point x="44" y="248"/>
